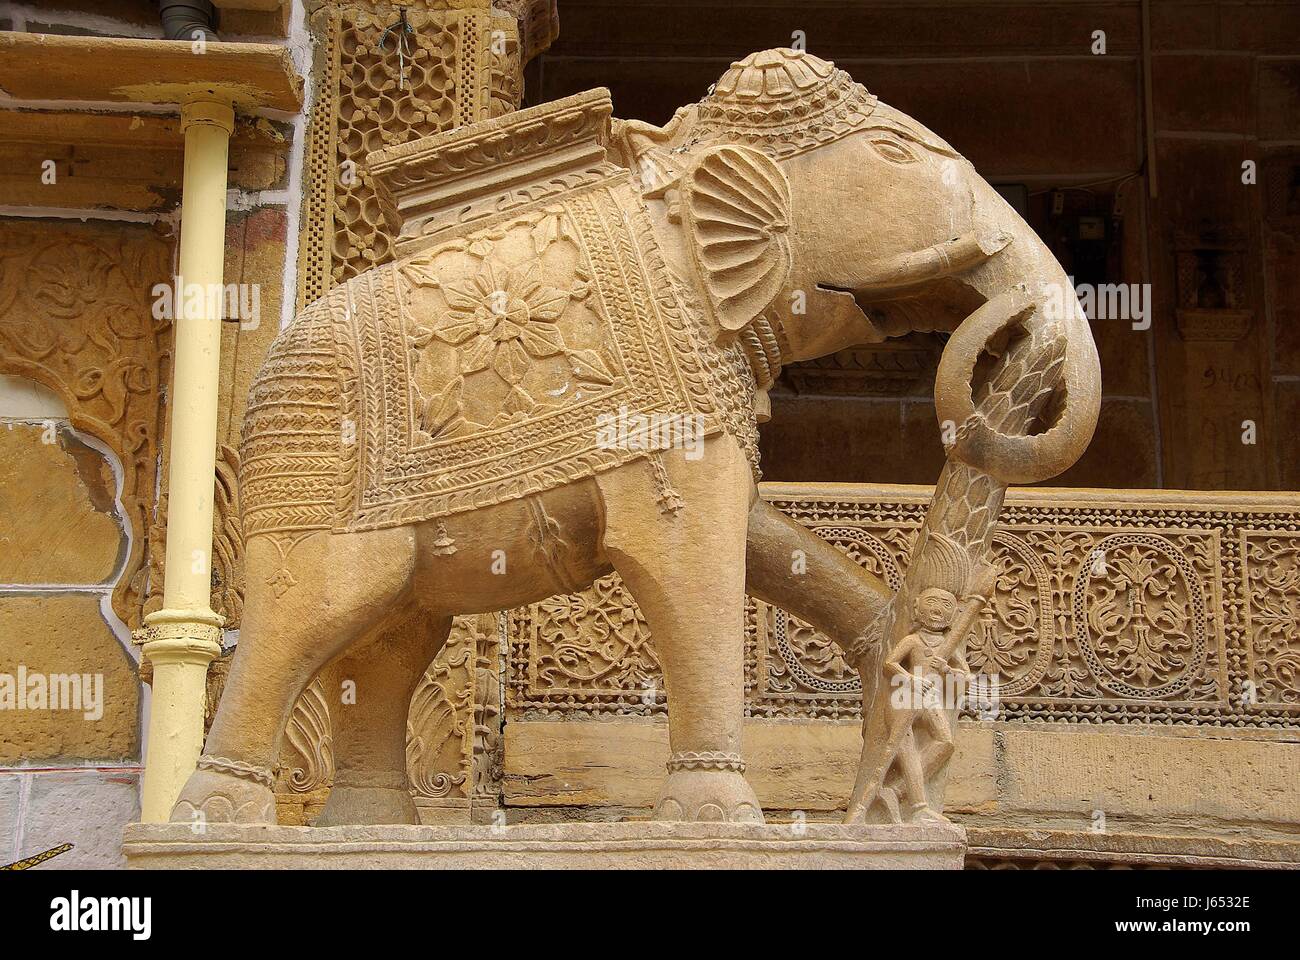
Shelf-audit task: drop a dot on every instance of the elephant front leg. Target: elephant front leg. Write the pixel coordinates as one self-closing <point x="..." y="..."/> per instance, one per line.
<point x="677" y="537"/>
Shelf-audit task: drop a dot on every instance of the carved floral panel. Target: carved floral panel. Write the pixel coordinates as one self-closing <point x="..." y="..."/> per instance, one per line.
<point x="1272" y="615"/>
<point x="76" y="316"/>
<point x="1120" y="607"/>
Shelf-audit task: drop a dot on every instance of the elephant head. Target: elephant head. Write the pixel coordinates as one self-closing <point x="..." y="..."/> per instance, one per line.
<point x="815" y="217"/>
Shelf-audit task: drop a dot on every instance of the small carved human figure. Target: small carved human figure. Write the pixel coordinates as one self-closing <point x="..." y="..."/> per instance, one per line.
<point x="921" y="662"/>
<point x="929" y="661"/>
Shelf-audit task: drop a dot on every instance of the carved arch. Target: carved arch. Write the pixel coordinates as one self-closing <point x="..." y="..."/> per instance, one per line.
<point x="76" y="317"/>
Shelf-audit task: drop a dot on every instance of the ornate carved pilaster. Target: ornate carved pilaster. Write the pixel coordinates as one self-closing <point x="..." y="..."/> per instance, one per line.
<point x="462" y="62"/>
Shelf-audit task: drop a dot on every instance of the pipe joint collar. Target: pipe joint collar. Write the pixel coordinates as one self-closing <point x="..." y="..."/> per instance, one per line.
<point x="211" y="109"/>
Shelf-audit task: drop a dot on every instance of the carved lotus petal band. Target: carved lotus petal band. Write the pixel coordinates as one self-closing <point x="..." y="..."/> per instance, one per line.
<point x="706" y="760"/>
<point x="238" y="768"/>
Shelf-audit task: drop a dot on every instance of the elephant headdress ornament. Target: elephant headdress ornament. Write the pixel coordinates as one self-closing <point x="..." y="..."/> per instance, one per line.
<point x="440" y="424"/>
<point x="783" y="102"/>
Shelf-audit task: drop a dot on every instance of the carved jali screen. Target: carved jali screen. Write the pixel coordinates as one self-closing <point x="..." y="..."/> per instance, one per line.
<point x="1184" y="611"/>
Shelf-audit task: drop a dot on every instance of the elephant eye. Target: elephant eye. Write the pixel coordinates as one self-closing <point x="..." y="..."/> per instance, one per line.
<point x="893" y="150"/>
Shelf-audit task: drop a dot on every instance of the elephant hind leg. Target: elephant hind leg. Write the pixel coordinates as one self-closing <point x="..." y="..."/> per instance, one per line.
<point x="370" y="779"/>
<point x="308" y="600"/>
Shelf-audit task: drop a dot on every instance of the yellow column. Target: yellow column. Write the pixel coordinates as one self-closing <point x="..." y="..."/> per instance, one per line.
<point x="184" y="637"/>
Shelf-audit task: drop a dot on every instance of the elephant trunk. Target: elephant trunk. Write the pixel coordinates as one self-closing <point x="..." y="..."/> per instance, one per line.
<point x="1020" y="380"/>
<point x="1019" y="384"/>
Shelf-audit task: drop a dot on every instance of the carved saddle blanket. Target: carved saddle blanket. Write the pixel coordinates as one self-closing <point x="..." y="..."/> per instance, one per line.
<point x="491" y="366"/>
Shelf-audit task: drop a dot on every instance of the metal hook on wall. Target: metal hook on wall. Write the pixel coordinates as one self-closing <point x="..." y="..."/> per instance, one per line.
<point x="401" y="43"/>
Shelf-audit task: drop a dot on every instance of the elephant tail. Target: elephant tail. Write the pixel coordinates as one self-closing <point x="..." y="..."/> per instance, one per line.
<point x="294" y="430"/>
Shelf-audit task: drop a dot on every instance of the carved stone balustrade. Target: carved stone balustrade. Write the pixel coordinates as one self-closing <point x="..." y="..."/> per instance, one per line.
<point x="1111" y="606"/>
<point x="1135" y="633"/>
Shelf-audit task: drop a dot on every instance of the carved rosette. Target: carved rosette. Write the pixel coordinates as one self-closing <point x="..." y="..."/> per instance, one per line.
<point x="1140" y="616"/>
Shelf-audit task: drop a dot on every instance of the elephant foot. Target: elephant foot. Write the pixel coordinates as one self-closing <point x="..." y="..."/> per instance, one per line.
<point x="922" y="813"/>
<point x="226" y="791"/>
<point x="708" y="788"/>
<point x="351" y="802"/>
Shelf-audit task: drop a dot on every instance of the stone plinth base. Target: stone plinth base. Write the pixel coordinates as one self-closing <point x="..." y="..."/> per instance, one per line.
<point x="1027" y="849"/>
<point x="557" y="846"/>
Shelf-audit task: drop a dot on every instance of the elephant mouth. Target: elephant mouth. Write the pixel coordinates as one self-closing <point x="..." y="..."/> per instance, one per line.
<point x="923" y="290"/>
<point x="940" y="306"/>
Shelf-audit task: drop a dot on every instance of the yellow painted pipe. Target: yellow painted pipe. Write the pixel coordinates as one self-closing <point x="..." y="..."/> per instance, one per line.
<point x="184" y="637"/>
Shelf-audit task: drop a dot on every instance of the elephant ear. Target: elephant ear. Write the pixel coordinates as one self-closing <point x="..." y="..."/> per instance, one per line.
<point x="735" y="205"/>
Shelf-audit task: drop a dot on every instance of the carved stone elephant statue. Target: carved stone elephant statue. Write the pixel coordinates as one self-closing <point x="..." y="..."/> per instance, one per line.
<point x="561" y="375"/>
